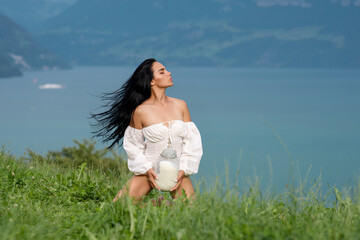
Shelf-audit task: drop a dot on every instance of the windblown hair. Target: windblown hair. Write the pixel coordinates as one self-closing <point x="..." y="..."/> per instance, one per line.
<point x="112" y="123"/>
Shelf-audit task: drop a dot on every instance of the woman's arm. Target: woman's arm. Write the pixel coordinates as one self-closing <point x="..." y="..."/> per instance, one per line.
<point x="137" y="123"/>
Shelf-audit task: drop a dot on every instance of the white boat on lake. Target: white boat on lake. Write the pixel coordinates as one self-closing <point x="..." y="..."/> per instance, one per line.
<point x="51" y="86"/>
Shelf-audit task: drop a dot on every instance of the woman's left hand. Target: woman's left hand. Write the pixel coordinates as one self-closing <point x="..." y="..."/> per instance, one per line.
<point x="179" y="180"/>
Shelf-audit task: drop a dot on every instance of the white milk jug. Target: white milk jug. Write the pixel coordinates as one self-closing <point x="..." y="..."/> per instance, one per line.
<point x="167" y="169"/>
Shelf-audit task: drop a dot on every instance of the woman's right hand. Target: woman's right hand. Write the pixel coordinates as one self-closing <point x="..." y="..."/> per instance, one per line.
<point x="151" y="176"/>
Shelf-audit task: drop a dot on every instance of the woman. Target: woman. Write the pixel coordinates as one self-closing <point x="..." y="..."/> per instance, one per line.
<point x="146" y="119"/>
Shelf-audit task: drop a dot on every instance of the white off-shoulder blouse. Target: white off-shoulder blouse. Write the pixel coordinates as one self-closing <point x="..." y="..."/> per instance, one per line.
<point x="143" y="146"/>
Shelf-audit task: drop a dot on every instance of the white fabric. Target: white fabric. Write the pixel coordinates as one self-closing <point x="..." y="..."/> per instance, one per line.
<point x="143" y="146"/>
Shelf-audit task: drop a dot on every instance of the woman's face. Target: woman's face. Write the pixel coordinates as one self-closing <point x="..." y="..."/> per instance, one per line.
<point x="162" y="78"/>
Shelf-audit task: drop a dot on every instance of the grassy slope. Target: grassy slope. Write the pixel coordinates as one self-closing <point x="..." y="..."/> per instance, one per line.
<point x="43" y="199"/>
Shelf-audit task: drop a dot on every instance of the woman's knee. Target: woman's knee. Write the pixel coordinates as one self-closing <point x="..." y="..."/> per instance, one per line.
<point x="186" y="186"/>
<point x="139" y="186"/>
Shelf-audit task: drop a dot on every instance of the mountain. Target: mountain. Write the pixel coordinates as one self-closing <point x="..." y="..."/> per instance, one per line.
<point x="32" y="14"/>
<point x="7" y="68"/>
<point x="19" y="51"/>
<point x="249" y="33"/>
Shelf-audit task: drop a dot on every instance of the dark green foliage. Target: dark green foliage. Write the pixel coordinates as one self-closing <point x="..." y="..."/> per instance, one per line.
<point x="82" y="152"/>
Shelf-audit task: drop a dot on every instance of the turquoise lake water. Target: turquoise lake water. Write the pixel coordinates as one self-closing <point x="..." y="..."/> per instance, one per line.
<point x="242" y="114"/>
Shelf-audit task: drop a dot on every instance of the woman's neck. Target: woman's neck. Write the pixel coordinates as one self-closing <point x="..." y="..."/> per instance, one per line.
<point x="158" y="96"/>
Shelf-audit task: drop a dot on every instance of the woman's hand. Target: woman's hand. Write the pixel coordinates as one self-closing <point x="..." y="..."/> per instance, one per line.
<point x="179" y="180"/>
<point x="151" y="176"/>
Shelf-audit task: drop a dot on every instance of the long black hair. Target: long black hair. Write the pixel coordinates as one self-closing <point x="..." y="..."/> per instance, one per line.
<point x="111" y="124"/>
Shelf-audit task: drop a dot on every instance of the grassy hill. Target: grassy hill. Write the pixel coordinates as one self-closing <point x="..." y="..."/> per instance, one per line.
<point x="63" y="196"/>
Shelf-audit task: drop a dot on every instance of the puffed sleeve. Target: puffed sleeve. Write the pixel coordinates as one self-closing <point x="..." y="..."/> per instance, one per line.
<point x="192" y="150"/>
<point x="133" y="143"/>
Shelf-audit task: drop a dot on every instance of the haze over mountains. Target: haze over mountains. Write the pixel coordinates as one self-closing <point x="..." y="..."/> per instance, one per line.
<point x="32" y="14"/>
<point x="295" y="33"/>
<point x="18" y="51"/>
<point x="248" y="33"/>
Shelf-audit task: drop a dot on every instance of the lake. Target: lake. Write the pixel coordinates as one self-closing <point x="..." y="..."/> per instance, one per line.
<point x="255" y="121"/>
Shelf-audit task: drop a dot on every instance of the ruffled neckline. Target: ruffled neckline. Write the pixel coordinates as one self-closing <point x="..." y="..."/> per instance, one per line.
<point x="160" y="123"/>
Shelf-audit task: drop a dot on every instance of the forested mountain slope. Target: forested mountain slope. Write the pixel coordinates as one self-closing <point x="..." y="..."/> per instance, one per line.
<point x="250" y="33"/>
<point x="18" y="51"/>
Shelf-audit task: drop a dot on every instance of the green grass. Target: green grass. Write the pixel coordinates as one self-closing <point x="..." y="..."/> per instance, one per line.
<point x="47" y="197"/>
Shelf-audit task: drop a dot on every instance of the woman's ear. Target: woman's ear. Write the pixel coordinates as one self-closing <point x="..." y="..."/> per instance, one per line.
<point x="152" y="83"/>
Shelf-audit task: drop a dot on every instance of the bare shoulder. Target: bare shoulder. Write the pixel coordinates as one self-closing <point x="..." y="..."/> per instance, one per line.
<point x="138" y="116"/>
<point x="179" y="102"/>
